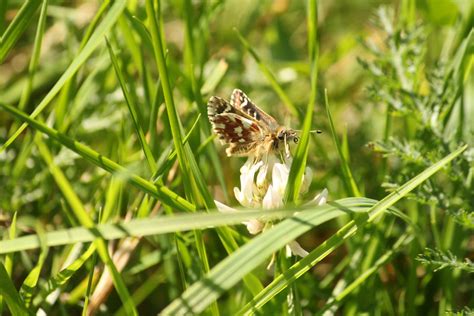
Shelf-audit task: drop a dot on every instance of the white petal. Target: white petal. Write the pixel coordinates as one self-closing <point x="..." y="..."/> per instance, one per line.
<point x="320" y="199"/>
<point x="308" y="176"/>
<point x="296" y="249"/>
<point x="262" y="175"/>
<point x="245" y="195"/>
<point x="280" y="177"/>
<point x="273" y="199"/>
<point x="221" y="207"/>
<point x="254" y="226"/>
<point x="267" y="202"/>
<point x="243" y="199"/>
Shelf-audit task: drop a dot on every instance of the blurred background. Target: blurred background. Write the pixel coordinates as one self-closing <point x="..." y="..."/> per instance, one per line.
<point x="355" y="37"/>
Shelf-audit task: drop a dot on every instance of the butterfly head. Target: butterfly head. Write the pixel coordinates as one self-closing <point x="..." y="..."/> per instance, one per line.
<point x="287" y="135"/>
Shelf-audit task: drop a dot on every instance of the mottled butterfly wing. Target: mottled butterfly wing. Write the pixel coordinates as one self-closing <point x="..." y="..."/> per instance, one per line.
<point x="217" y="106"/>
<point x="233" y="127"/>
<point x="240" y="101"/>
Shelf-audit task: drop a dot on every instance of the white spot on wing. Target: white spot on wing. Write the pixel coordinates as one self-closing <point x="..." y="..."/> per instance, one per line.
<point x="238" y="130"/>
<point x="246" y="123"/>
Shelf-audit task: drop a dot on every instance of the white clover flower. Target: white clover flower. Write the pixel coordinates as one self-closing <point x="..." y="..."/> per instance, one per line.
<point x="263" y="185"/>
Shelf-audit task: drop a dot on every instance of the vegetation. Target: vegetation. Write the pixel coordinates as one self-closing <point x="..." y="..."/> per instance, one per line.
<point x="110" y="172"/>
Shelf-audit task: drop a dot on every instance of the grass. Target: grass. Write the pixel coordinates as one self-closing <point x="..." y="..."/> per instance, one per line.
<point x="109" y="170"/>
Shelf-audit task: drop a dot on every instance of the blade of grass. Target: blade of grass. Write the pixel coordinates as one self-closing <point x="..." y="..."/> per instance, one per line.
<point x="215" y="77"/>
<point x="164" y="165"/>
<point x="153" y="226"/>
<point x="9" y="257"/>
<point x="298" y="165"/>
<point x="133" y="110"/>
<point x="3" y="11"/>
<point x="90" y="281"/>
<point x="160" y="192"/>
<point x="54" y="282"/>
<point x="315" y="256"/>
<point x="17" y="27"/>
<point x="312" y="26"/>
<point x="194" y="183"/>
<point x="234" y="267"/>
<point x="10" y="295"/>
<point x="146" y="289"/>
<point x="91" y="45"/>
<point x="175" y="126"/>
<point x="29" y="285"/>
<point x="346" y="170"/>
<point x="68" y="91"/>
<point x="192" y="178"/>
<point x="404" y="240"/>
<point x="184" y="154"/>
<point x="190" y="62"/>
<point x="81" y="215"/>
<point x="270" y="77"/>
<point x="25" y="96"/>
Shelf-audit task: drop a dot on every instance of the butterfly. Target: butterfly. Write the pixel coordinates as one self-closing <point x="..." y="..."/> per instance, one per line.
<point x="246" y="128"/>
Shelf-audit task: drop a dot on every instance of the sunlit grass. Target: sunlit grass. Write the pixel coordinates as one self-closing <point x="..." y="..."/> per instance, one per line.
<point x="109" y="169"/>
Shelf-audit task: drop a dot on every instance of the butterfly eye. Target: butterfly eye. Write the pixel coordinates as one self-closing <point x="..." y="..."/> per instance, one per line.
<point x="296" y="140"/>
<point x="281" y="136"/>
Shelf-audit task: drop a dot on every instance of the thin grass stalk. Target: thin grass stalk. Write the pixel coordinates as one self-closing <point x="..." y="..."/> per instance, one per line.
<point x="155" y="189"/>
<point x="299" y="161"/>
<point x="347" y="231"/>
<point x="336" y="301"/>
<point x="346" y="170"/>
<point x="88" y="49"/>
<point x="270" y="77"/>
<point x="16" y="28"/>
<point x="133" y="109"/>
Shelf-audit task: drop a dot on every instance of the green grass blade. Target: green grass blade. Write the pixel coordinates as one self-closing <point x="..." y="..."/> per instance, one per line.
<point x="8" y="263"/>
<point x="133" y="111"/>
<point x="29" y="285"/>
<point x="10" y="295"/>
<point x="168" y="95"/>
<point x="312" y="26"/>
<point x="63" y="276"/>
<point x="404" y="240"/>
<point x="216" y="76"/>
<point x="25" y="96"/>
<point x="161" y="192"/>
<point x="91" y="45"/>
<point x="89" y="286"/>
<point x="299" y="160"/>
<point x="315" y="256"/>
<point x="82" y="216"/>
<point x="11" y="235"/>
<point x="68" y="91"/>
<point x="233" y="268"/>
<point x="346" y="170"/>
<point x="3" y="10"/>
<point x="193" y="180"/>
<point x="270" y="77"/>
<point x="151" y="226"/>
<point x="165" y="164"/>
<point x="17" y="27"/>
<point x="146" y="289"/>
<point x="63" y="184"/>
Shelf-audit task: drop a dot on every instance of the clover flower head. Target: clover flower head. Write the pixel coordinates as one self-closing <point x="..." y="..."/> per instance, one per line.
<point x="262" y="186"/>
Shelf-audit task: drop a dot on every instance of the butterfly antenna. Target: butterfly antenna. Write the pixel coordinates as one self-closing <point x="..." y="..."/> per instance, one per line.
<point x="317" y="131"/>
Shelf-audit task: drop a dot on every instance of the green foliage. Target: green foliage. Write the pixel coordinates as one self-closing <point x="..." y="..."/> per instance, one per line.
<point x="109" y="170"/>
<point x="441" y="260"/>
<point x="427" y="97"/>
